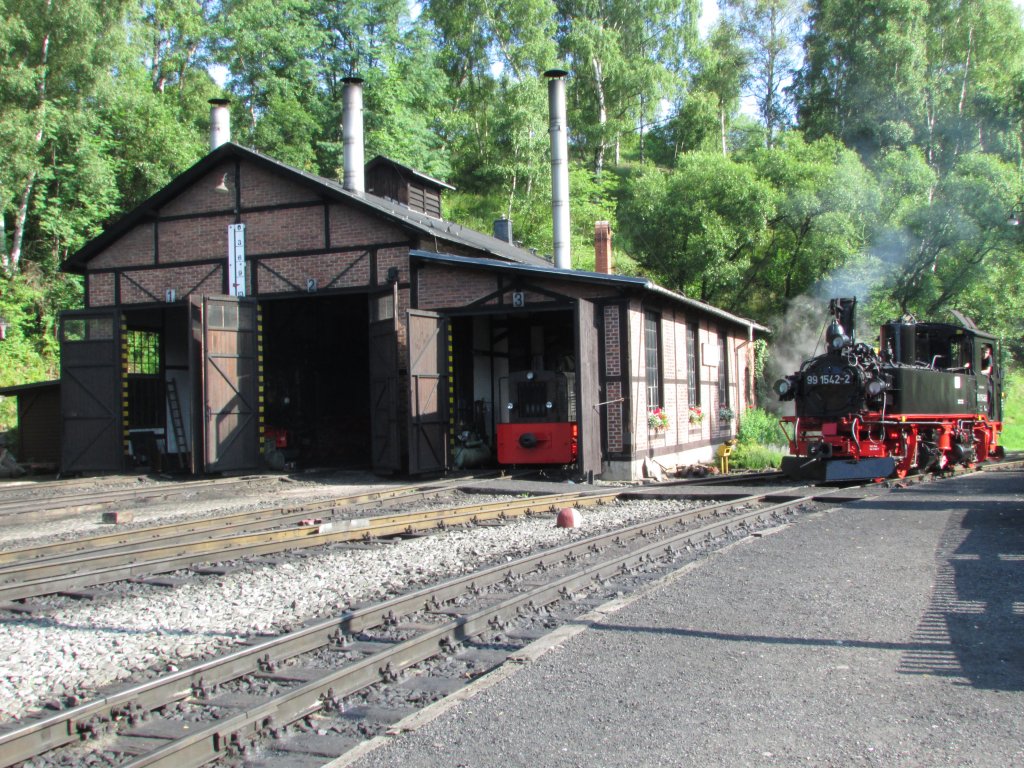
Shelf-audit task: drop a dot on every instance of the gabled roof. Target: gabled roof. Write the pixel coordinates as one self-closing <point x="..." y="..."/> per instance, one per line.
<point x="423" y="178"/>
<point x="412" y="221"/>
<point x="595" y="278"/>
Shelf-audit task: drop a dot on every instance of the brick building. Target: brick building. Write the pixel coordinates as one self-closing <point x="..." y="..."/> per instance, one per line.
<point x="250" y="306"/>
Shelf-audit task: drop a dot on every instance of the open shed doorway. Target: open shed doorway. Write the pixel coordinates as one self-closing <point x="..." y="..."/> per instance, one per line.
<point x="317" y="390"/>
<point x="491" y="353"/>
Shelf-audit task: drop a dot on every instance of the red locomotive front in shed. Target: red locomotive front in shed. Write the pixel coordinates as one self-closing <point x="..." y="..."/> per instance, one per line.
<point x="538" y="424"/>
<point x="929" y="398"/>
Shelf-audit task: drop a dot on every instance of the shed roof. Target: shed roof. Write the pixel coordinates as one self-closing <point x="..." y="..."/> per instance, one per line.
<point x="412" y="221"/>
<point x="17" y="389"/>
<point x="598" y="278"/>
<point x="423" y="178"/>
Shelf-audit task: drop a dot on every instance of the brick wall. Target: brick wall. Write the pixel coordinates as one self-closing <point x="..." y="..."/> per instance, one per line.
<point x="280" y="231"/>
<point x="351" y="227"/>
<point x="133" y="249"/>
<point x="194" y="239"/>
<point x="101" y="290"/>
<point x="392" y="257"/>
<point x="206" y="195"/>
<point x="288" y="274"/>
<point x="439" y="287"/>
<point x="263" y="187"/>
<point x="145" y="286"/>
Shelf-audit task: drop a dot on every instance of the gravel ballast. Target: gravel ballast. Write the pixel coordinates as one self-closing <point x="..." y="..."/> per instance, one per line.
<point x="889" y="632"/>
<point x="75" y="648"/>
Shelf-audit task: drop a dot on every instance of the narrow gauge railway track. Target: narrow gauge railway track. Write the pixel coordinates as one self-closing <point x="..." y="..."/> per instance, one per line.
<point x="190" y="717"/>
<point x="28" y="505"/>
<point x="176" y="549"/>
<point x="232" y="521"/>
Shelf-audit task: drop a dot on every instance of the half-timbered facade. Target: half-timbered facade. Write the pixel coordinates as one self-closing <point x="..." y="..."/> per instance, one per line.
<point x="251" y="306"/>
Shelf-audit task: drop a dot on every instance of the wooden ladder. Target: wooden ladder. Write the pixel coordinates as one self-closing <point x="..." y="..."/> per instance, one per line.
<point x="174" y="406"/>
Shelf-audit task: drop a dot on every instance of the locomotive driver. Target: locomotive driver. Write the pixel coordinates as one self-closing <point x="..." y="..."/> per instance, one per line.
<point x="988" y="368"/>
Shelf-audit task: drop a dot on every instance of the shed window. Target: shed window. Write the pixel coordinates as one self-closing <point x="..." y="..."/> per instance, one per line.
<point x="143" y="352"/>
<point x="652" y="358"/>
<point x="692" y="366"/>
<point x="723" y="371"/>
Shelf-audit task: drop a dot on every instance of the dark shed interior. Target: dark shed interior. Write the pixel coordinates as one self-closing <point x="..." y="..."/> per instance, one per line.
<point x="316" y="356"/>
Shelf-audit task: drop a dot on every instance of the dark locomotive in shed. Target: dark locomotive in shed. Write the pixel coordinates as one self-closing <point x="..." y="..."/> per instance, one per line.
<point x="930" y="396"/>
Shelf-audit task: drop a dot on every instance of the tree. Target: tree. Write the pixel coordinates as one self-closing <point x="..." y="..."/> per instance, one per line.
<point x="975" y="63"/>
<point x="769" y="30"/>
<point x="864" y="71"/>
<point x="620" y="54"/>
<point x="698" y="226"/>
<point x="949" y="243"/>
<point x="51" y="57"/>
<point x="722" y="72"/>
<point x="825" y="207"/>
<point x="268" y="47"/>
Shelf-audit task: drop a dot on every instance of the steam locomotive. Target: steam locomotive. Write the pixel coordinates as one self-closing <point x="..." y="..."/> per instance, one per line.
<point x="930" y="397"/>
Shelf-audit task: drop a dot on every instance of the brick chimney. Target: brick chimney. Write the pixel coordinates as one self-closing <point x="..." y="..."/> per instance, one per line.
<point x="603" y="247"/>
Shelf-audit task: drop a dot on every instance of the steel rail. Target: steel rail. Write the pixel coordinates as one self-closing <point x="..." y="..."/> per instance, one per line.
<point x="169" y="531"/>
<point x="51" y="731"/>
<point x="98" y="499"/>
<point x="205" y="744"/>
<point x="26" y="580"/>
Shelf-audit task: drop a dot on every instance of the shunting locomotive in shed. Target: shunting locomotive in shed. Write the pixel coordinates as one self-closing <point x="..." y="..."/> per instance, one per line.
<point x="928" y="398"/>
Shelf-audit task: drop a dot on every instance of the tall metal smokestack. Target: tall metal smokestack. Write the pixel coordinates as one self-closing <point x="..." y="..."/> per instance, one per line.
<point x="559" y="167"/>
<point x="220" y="123"/>
<point x="352" y="134"/>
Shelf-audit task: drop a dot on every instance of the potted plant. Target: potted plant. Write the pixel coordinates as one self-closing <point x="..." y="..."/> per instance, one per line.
<point x="657" y="419"/>
<point x="726" y="413"/>
<point x="696" y="415"/>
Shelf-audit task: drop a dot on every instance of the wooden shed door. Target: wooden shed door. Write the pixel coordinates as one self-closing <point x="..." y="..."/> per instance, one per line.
<point x="428" y="391"/>
<point x="230" y="384"/>
<point x="588" y="411"/>
<point x="384" y="438"/>
<point x="91" y="395"/>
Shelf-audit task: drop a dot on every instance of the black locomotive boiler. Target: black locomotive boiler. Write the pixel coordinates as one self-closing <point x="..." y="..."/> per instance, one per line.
<point x="930" y="396"/>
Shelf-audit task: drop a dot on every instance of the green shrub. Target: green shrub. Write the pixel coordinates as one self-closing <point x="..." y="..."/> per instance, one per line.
<point x="759" y="427"/>
<point x="750" y="456"/>
<point x="1012" y="438"/>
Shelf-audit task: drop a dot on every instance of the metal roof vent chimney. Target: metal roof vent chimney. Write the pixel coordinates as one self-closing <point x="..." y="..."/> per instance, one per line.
<point x="503" y="229"/>
<point x="352" y="134"/>
<point x="559" y="167"/>
<point x="220" y="123"/>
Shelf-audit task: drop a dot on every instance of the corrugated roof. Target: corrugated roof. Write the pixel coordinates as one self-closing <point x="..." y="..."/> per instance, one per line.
<point x="421" y="224"/>
<point x="622" y="281"/>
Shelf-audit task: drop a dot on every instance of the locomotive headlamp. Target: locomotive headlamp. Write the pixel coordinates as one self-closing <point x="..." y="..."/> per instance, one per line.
<point x="510" y="406"/>
<point x="529" y="376"/>
<point x="549" y="405"/>
<point x="782" y="387"/>
<point x="836" y="337"/>
<point x="874" y="388"/>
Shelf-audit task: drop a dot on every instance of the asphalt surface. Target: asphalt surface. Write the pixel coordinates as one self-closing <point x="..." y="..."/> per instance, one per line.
<point x="887" y="632"/>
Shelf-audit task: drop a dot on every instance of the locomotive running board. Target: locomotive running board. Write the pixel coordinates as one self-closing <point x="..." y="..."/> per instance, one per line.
<point x="837" y="470"/>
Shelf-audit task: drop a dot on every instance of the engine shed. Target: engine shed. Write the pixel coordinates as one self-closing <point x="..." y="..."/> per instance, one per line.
<point x="251" y="313"/>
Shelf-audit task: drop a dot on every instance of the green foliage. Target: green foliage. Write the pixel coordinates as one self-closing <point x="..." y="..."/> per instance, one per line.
<point x="697" y="226"/>
<point x="890" y="173"/>
<point x="30" y="303"/>
<point x="1013" y="412"/>
<point x="759" y="427"/>
<point x="753" y="456"/>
